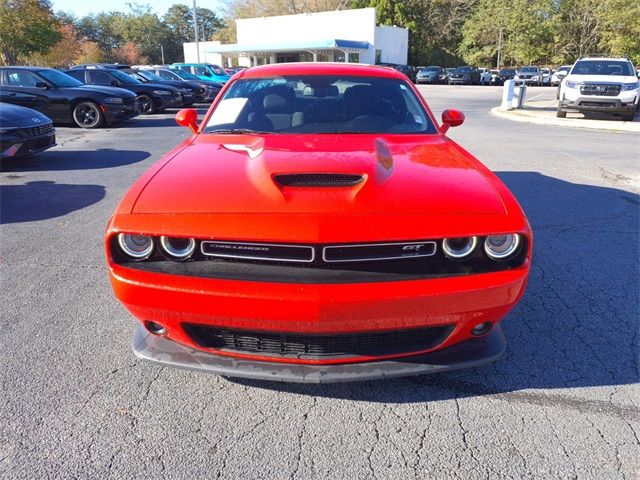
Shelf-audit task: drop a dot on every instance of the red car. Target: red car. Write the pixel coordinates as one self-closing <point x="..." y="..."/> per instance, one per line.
<point x="319" y="226"/>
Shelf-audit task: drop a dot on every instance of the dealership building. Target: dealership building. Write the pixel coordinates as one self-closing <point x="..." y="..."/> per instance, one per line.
<point x="335" y="36"/>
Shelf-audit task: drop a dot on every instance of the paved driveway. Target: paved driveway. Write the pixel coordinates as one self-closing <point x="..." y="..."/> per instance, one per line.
<point x="563" y="402"/>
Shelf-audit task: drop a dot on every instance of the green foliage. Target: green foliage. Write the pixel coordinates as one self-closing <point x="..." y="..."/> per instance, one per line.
<point x="26" y="27"/>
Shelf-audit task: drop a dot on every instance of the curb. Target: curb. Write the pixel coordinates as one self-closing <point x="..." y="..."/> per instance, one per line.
<point x="568" y="122"/>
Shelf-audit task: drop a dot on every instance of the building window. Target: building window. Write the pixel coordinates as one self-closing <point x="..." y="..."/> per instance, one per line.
<point x="354" y="58"/>
<point x="338" y="56"/>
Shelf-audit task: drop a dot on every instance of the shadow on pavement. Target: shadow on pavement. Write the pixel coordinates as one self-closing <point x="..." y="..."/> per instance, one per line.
<point x="45" y="199"/>
<point x="58" y="160"/>
<point x="577" y="325"/>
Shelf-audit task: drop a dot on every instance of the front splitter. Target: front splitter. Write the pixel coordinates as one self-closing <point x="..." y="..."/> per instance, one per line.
<point x="471" y="353"/>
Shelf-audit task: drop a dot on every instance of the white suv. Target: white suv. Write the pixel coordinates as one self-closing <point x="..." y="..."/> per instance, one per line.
<point x="600" y="85"/>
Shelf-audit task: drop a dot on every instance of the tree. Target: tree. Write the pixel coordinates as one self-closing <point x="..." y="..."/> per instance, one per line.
<point x="179" y="20"/>
<point x="89" y="53"/>
<point x="26" y="27"/>
<point x="64" y="53"/>
<point x="128" y="53"/>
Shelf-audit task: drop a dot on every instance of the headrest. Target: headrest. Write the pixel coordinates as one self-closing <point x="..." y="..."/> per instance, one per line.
<point x="273" y="101"/>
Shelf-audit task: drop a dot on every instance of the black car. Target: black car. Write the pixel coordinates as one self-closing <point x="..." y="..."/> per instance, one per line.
<point x="153" y="97"/>
<point x="465" y="76"/>
<point x="409" y="70"/>
<point x="191" y="92"/>
<point x="211" y="87"/>
<point x="433" y="74"/>
<point x="24" y="131"/>
<point x="63" y="98"/>
<point x="504" y="75"/>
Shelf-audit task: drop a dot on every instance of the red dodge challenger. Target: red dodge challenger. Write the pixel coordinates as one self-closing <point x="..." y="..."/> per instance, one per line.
<point x="319" y="226"/>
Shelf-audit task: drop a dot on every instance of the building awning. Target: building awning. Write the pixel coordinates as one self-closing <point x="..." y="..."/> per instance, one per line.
<point x="267" y="48"/>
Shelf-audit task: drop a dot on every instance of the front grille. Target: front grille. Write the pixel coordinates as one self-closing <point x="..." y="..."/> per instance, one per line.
<point x="259" y="251"/>
<point x="318" y="179"/>
<point x="602" y="89"/>
<point x="377" y="251"/>
<point x="35" y="131"/>
<point x="298" y="345"/>
<point x="39" y="143"/>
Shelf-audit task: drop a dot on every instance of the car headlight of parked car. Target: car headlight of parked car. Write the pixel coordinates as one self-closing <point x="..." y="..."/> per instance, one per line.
<point x="502" y="247"/>
<point x="571" y="84"/>
<point x="161" y="92"/>
<point x="113" y="100"/>
<point x="137" y="247"/>
<point x="630" y="86"/>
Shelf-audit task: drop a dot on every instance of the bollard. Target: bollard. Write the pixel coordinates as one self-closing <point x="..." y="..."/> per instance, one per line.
<point x="519" y="94"/>
<point x="507" y="95"/>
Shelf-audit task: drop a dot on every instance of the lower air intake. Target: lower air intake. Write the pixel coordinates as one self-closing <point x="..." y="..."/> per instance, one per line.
<point x="318" y="179"/>
<point x="318" y="346"/>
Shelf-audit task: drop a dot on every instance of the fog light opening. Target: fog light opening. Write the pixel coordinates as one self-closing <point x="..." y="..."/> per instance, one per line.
<point x="155" y="328"/>
<point x="481" y="329"/>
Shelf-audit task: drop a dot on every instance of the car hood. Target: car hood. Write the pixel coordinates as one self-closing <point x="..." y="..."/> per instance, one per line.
<point x="16" y="116"/>
<point x="602" y="78"/>
<point x="120" y="92"/>
<point x="403" y="174"/>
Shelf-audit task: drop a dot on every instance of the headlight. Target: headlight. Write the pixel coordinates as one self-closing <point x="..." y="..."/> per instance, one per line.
<point x="113" y="100"/>
<point x="534" y="78"/>
<point x="178" y="248"/>
<point x="161" y="92"/>
<point x="630" y="86"/>
<point x="502" y="247"/>
<point x="138" y="247"/>
<point x="459" y="248"/>
<point x="572" y="84"/>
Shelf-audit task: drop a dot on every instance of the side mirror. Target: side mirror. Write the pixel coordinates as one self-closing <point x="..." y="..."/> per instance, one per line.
<point x="207" y="73"/>
<point x="188" y="117"/>
<point x="43" y="85"/>
<point x="451" y="118"/>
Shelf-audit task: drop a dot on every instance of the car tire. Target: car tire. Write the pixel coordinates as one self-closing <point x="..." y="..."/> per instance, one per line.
<point x="628" y="117"/>
<point x="561" y="113"/>
<point x="87" y="115"/>
<point x="147" y="105"/>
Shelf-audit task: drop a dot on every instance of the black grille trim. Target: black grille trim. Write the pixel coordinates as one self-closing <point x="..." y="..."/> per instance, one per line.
<point x="259" y="251"/>
<point x="600" y="89"/>
<point x="368" y="252"/>
<point x="318" y="346"/>
<point x="34" y="131"/>
<point x="318" y="179"/>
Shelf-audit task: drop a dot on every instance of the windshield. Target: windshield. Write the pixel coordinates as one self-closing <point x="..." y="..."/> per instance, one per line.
<point x="529" y="69"/>
<point x="602" y="67"/>
<point x="60" y="79"/>
<point x="152" y="77"/>
<point x="185" y="75"/>
<point x="429" y="69"/>
<point x="320" y="104"/>
<point x="217" y="70"/>
<point x="124" y="77"/>
<point x="463" y="69"/>
<point x="507" y="71"/>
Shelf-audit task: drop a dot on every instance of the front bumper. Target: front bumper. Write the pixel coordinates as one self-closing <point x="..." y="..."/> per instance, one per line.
<point x="116" y="113"/>
<point x="15" y="146"/>
<point x="625" y="103"/>
<point x="470" y="353"/>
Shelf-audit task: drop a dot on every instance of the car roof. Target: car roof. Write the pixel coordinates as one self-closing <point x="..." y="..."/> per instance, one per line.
<point x="30" y="69"/>
<point x="620" y="59"/>
<point x="324" y="68"/>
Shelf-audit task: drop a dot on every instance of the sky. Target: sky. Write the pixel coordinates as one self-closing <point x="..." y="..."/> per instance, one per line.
<point x="81" y="8"/>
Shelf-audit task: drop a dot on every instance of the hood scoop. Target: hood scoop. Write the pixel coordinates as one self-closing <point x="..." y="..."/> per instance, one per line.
<point x="318" y="179"/>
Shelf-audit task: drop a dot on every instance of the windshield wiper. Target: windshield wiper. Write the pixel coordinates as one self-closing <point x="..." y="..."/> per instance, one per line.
<point x="236" y="131"/>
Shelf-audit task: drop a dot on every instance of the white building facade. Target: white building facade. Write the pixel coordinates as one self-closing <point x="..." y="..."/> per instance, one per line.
<point x="335" y="36"/>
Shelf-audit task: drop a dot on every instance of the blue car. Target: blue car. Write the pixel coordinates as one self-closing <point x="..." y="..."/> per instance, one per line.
<point x="205" y="71"/>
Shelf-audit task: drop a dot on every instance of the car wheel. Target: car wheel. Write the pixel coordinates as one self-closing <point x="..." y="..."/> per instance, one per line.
<point x="561" y="113"/>
<point x="147" y="105"/>
<point x="88" y="115"/>
<point x="629" y="117"/>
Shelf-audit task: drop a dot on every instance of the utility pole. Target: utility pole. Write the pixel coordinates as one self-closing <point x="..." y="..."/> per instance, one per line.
<point x="162" y="53"/>
<point x="499" y="49"/>
<point x="195" y="29"/>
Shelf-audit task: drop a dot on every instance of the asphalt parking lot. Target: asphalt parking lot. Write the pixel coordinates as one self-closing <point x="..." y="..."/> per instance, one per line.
<point x="563" y="402"/>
